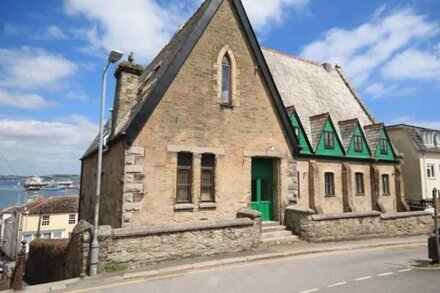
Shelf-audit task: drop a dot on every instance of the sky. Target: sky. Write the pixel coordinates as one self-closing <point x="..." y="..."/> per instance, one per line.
<point x="52" y="53"/>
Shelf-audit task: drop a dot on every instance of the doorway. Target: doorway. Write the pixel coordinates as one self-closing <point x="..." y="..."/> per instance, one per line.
<point x="263" y="188"/>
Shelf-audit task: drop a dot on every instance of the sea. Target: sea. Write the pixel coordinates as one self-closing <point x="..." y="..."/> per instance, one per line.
<point x="12" y="192"/>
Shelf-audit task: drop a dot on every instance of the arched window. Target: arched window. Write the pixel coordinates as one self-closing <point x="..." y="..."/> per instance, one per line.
<point x="226" y="81"/>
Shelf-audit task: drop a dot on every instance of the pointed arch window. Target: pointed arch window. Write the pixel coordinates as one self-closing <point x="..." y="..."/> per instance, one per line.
<point x="226" y="81"/>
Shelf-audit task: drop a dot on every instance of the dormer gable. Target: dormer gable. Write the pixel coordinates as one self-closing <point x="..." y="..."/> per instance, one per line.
<point x="354" y="140"/>
<point x="325" y="138"/>
<point x="305" y="147"/>
<point x="379" y="142"/>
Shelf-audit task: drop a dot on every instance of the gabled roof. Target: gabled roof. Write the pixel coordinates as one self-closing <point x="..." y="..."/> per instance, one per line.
<point x="314" y="89"/>
<point x="159" y="75"/>
<point x="347" y="128"/>
<point x="317" y="124"/>
<point x="416" y="134"/>
<point x="52" y="205"/>
<point x="372" y="133"/>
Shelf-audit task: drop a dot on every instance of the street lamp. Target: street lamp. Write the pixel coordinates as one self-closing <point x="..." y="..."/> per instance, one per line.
<point x="113" y="57"/>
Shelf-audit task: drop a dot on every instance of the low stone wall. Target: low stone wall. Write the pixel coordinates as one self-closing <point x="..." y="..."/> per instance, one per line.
<point x="135" y="247"/>
<point x="356" y="226"/>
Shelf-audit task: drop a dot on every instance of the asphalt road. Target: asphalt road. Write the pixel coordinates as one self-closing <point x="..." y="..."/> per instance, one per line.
<point x="373" y="270"/>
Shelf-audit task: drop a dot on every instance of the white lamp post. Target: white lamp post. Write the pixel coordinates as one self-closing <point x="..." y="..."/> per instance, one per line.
<point x="113" y="57"/>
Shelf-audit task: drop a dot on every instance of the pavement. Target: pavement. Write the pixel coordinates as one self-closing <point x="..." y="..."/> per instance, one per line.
<point x="301" y="250"/>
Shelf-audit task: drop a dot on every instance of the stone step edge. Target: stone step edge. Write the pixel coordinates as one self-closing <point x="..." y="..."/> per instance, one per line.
<point x="278" y="234"/>
<point x="281" y="239"/>
<point x="252" y="258"/>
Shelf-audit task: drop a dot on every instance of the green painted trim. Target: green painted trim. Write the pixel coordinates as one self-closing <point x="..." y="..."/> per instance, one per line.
<point x="390" y="155"/>
<point x="338" y="150"/>
<point x="304" y="143"/>
<point x="366" y="152"/>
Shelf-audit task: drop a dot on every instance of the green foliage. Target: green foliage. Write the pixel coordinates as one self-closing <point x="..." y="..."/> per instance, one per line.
<point x="52" y="248"/>
<point x="112" y="268"/>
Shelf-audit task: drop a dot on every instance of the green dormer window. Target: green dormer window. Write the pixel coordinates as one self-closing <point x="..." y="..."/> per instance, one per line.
<point x="297" y="132"/>
<point x="383" y="146"/>
<point x="329" y="140"/>
<point x="358" y="144"/>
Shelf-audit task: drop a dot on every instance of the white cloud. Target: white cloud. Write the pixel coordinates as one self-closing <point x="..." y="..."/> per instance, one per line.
<point x="363" y="49"/>
<point x="46" y="146"/>
<point x="24" y="101"/>
<point x="54" y="32"/>
<point x="411" y="120"/>
<point x="263" y="13"/>
<point x="413" y="64"/>
<point x="380" y="90"/>
<point x="29" y="68"/>
<point x="14" y="29"/>
<point x="78" y="96"/>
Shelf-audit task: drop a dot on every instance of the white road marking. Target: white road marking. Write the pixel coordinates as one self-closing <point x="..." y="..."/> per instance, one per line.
<point x="385" y="274"/>
<point x="363" y="278"/>
<point x="337" y="284"/>
<point x="405" y="270"/>
<point x="310" y="291"/>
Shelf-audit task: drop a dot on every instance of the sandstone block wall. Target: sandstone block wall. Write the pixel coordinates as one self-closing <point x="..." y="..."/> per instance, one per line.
<point x="142" y="246"/>
<point x="356" y="226"/>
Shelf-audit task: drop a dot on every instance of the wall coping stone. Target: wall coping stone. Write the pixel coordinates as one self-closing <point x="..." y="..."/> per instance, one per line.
<point x="186" y="227"/>
<point x="248" y="213"/>
<point x="405" y="215"/>
<point x="301" y="210"/>
<point x="326" y="217"/>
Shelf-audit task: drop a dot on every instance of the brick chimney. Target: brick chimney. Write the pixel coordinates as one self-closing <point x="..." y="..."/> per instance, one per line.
<point x="127" y="81"/>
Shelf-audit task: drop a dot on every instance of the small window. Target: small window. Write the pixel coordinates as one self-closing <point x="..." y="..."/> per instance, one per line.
<point x="360" y="188"/>
<point x="184" y="177"/>
<point x="46" y="236"/>
<point x="329" y="184"/>
<point x="45" y="220"/>
<point x="383" y="146"/>
<point x="329" y="140"/>
<point x="72" y="219"/>
<point x="297" y="133"/>
<point x="56" y="235"/>
<point x="226" y="81"/>
<point x="208" y="178"/>
<point x="386" y="184"/>
<point x="430" y="171"/>
<point x="358" y="146"/>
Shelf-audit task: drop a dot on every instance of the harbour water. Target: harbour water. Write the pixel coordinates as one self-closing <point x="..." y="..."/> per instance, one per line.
<point x="12" y="192"/>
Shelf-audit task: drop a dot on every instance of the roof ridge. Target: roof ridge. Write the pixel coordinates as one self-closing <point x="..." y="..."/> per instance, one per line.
<point x="289" y="55"/>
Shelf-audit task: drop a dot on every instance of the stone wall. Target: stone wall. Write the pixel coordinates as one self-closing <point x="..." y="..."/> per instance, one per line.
<point x="135" y="247"/>
<point x="356" y="226"/>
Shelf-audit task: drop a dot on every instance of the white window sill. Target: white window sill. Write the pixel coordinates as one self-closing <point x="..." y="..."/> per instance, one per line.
<point x="207" y="205"/>
<point x="184" y="207"/>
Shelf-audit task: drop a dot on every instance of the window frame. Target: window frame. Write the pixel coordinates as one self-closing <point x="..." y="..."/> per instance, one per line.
<point x="212" y="169"/>
<point x="45" y="220"/>
<point x="72" y="221"/>
<point x="383" y="142"/>
<point x="386" y="187"/>
<point x="428" y="171"/>
<point x="358" y="144"/>
<point x="360" y="183"/>
<point x="327" y="136"/>
<point x="190" y="179"/>
<point x="229" y="82"/>
<point x="329" y="187"/>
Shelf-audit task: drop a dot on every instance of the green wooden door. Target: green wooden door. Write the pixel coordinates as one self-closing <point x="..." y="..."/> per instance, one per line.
<point x="262" y="188"/>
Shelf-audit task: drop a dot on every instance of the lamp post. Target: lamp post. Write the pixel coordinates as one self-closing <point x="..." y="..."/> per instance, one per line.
<point x="113" y="57"/>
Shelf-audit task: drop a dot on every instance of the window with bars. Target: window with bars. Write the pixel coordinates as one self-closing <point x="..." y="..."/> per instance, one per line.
<point x="184" y="177"/>
<point x="72" y="219"/>
<point x="329" y="140"/>
<point x="386" y="184"/>
<point x="358" y="146"/>
<point x="329" y="179"/>
<point x="383" y="146"/>
<point x="226" y="81"/>
<point x="45" y="221"/>
<point x="208" y="178"/>
<point x="360" y="187"/>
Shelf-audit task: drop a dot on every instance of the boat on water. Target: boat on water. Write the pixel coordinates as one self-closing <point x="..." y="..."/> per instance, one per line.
<point x="35" y="183"/>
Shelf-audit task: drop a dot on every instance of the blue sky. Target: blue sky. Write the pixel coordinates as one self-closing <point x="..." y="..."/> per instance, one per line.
<point x="52" y="53"/>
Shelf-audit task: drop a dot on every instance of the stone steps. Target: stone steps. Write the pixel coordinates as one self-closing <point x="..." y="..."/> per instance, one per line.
<point x="272" y="233"/>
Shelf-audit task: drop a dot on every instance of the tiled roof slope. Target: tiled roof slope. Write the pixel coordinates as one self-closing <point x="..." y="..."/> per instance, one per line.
<point x="317" y="124"/>
<point x="347" y="128"/>
<point x="372" y="133"/>
<point x="416" y="134"/>
<point x="313" y="90"/>
<point x="53" y="205"/>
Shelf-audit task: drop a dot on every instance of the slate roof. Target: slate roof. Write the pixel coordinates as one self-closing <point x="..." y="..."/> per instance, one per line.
<point x="372" y="134"/>
<point x="314" y="90"/>
<point x="346" y="129"/>
<point x="52" y="205"/>
<point x="416" y="134"/>
<point x="317" y="124"/>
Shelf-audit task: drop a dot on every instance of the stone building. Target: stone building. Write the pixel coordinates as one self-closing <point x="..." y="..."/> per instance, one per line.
<point x="215" y="124"/>
<point x="421" y="149"/>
